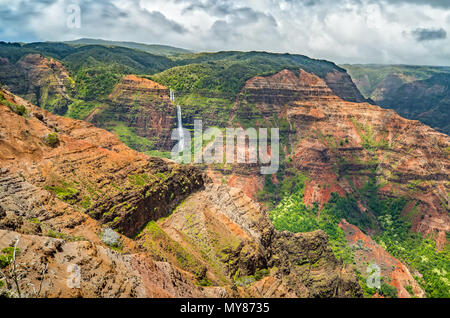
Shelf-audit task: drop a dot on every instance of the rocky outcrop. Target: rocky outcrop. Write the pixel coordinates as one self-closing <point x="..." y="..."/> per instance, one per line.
<point x="43" y="189"/>
<point x="414" y="92"/>
<point x="83" y="269"/>
<point x="90" y="168"/>
<point x="342" y="86"/>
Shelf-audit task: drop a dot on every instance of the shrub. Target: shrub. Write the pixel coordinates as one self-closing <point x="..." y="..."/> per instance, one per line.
<point x="18" y="109"/>
<point x="52" y="140"/>
<point x="6" y="256"/>
<point x="388" y="291"/>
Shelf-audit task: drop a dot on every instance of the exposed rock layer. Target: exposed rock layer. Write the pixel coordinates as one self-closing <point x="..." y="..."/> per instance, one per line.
<point x="341" y="144"/>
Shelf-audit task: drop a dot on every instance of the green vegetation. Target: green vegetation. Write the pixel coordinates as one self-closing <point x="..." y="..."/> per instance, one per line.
<point x="415" y="92"/>
<point x="370" y="142"/>
<point x="162" y="247"/>
<point x="226" y="72"/>
<point x="387" y="290"/>
<point x="386" y="214"/>
<point x="52" y="140"/>
<point x="64" y="192"/>
<point x="206" y="84"/>
<point x="163" y="50"/>
<point x="369" y="77"/>
<point x="81" y="109"/>
<point x="294" y="216"/>
<point x="6" y="256"/>
<point x="139" y="180"/>
<point x="129" y="137"/>
<point x="410" y="290"/>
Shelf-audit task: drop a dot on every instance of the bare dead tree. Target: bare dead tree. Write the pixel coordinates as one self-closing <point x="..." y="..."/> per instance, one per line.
<point x="15" y="275"/>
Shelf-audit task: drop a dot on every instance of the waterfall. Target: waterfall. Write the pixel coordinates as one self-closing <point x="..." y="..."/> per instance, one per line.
<point x="180" y="128"/>
<point x="180" y="122"/>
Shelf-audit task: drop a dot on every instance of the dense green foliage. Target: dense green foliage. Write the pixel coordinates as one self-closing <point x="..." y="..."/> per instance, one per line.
<point x="417" y="252"/>
<point x="128" y="136"/>
<point x="294" y="216"/>
<point x="6" y="256"/>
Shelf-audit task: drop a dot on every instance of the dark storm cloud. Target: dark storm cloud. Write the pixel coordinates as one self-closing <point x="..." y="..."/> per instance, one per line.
<point x="429" y="34"/>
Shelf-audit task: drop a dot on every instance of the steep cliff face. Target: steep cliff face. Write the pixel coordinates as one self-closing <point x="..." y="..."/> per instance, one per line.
<point x="43" y="81"/>
<point x="64" y="182"/>
<point x="341" y="145"/>
<point x="343" y="86"/>
<point x="367" y="251"/>
<point x="142" y="106"/>
<point x="50" y="187"/>
<point x="425" y="100"/>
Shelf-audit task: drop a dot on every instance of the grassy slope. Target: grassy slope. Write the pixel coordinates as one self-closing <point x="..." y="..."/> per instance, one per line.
<point x="207" y="84"/>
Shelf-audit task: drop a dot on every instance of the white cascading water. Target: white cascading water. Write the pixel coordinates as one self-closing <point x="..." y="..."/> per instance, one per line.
<point x="180" y="128"/>
<point x="180" y="123"/>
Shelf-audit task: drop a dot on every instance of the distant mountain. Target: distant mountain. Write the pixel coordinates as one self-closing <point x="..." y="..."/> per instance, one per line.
<point x="415" y="92"/>
<point x="156" y="49"/>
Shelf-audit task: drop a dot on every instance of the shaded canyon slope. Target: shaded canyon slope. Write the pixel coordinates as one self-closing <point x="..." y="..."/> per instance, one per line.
<point x="140" y="112"/>
<point x="63" y="182"/>
<point x="415" y="92"/>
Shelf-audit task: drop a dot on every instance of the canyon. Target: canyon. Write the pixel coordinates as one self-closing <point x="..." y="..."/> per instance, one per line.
<point x="210" y="230"/>
<point x="57" y="197"/>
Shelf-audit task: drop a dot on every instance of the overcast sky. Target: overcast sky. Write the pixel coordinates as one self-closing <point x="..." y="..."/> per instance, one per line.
<point x="343" y="31"/>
